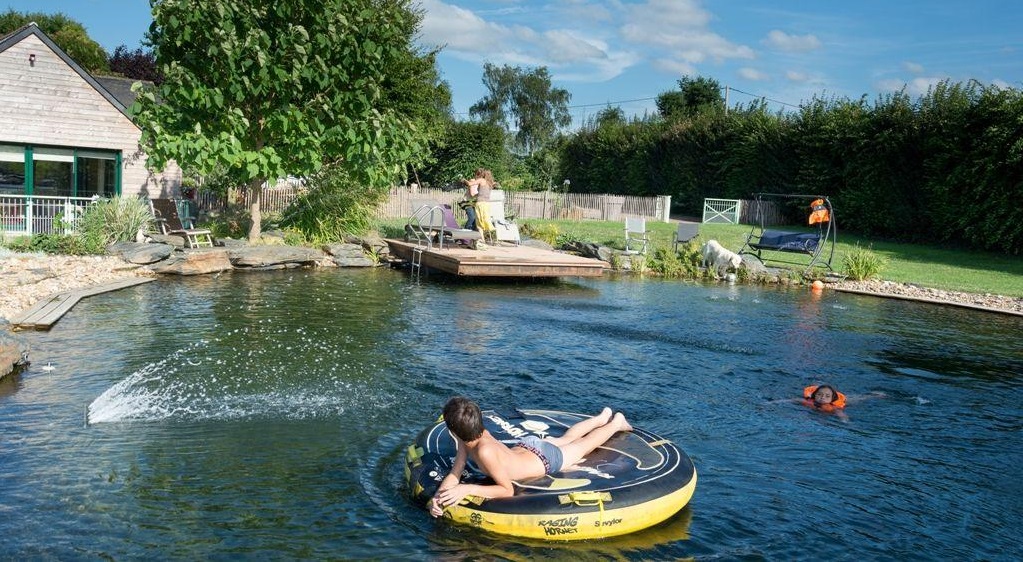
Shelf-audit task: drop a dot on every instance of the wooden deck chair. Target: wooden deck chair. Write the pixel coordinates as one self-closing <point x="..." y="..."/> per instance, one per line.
<point x="635" y="232"/>
<point x="165" y="211"/>
<point x="686" y="231"/>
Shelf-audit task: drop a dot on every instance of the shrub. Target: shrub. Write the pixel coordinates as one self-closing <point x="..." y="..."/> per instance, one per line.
<point x="542" y="231"/>
<point x="334" y="205"/>
<point x="684" y="264"/>
<point x="231" y="222"/>
<point x="117" y="219"/>
<point x="862" y="264"/>
<point x="65" y="244"/>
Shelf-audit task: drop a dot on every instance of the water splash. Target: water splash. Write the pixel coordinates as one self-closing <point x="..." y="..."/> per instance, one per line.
<point x="249" y="373"/>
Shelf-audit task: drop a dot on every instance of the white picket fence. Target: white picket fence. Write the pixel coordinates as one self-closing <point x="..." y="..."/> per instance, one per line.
<point x="519" y="204"/>
<point x="25" y="215"/>
<point x="547" y="205"/>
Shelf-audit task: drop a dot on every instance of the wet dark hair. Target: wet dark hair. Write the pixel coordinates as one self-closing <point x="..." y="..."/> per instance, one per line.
<point x="463" y="418"/>
<point x="834" y="393"/>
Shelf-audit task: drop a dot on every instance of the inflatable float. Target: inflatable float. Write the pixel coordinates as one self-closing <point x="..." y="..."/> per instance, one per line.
<point x="634" y="481"/>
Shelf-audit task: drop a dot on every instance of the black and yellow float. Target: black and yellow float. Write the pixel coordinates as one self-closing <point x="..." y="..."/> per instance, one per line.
<point x="634" y="481"/>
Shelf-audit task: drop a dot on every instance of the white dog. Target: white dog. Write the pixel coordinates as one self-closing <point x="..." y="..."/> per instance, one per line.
<point x="717" y="256"/>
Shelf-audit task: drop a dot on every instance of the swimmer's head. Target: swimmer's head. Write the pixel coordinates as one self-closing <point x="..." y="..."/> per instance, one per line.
<point x="823" y="394"/>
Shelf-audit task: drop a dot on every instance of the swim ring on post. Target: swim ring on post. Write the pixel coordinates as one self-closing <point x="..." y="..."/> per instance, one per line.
<point x="634" y="481"/>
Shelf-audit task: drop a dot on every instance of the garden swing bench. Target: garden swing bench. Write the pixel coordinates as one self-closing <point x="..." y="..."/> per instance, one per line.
<point x="818" y="243"/>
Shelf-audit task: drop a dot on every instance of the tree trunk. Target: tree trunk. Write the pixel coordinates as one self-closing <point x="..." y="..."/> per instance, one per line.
<point x="255" y="188"/>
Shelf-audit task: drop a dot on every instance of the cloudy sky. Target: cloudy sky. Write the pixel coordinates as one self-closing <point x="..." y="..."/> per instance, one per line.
<point x="626" y="52"/>
<point x="610" y="51"/>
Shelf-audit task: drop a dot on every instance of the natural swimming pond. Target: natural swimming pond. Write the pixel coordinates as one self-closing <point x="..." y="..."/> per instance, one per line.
<point x="267" y="415"/>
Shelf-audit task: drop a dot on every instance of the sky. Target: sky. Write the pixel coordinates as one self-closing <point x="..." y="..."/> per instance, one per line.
<point x="625" y="52"/>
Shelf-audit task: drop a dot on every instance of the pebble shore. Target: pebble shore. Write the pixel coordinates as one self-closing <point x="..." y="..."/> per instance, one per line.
<point x="26" y="278"/>
<point x="910" y="291"/>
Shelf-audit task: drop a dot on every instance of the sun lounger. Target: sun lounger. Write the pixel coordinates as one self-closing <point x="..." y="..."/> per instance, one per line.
<point x="504" y="229"/>
<point x="432" y="222"/>
<point x="165" y="211"/>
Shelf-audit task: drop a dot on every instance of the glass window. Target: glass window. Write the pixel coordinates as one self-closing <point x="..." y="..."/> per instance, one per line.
<point x="12" y="169"/>
<point x="52" y="178"/>
<point x="12" y="177"/>
<point x="96" y="176"/>
<point x="53" y="172"/>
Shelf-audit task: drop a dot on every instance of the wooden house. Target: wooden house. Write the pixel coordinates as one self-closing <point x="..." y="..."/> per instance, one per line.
<point x="63" y="134"/>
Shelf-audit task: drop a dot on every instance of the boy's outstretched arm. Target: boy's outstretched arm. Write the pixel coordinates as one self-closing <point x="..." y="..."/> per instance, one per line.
<point x="490" y="464"/>
<point x="453" y="477"/>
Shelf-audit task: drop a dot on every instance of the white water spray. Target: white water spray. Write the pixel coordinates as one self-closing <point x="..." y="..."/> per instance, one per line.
<point x="283" y="374"/>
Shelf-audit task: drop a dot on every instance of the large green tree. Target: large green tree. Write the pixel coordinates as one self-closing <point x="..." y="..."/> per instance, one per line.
<point x="694" y="96"/>
<point x="526" y="101"/>
<point x="465" y="146"/>
<point x="269" y="89"/>
<point x="412" y="86"/>
<point x="67" y="33"/>
<point x="138" y="64"/>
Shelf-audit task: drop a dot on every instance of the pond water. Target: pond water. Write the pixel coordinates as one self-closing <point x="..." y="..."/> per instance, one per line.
<point x="266" y="416"/>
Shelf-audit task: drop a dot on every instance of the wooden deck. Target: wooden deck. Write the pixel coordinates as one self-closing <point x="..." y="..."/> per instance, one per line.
<point x="501" y="261"/>
<point x="47" y="311"/>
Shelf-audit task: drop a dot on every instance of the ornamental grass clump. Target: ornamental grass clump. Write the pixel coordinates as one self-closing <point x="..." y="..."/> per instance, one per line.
<point x="118" y="219"/>
<point x="334" y="206"/>
<point x="862" y="264"/>
<point x="638" y="264"/>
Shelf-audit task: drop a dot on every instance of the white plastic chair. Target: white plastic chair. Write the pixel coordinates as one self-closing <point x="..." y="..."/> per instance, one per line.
<point x="635" y="232"/>
<point x="504" y="230"/>
<point x="686" y="232"/>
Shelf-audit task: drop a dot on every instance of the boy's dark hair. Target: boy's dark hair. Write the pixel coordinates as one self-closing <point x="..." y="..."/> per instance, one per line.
<point x="463" y="418"/>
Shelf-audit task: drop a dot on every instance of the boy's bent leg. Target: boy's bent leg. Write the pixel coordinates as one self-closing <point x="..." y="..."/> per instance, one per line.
<point x="582" y="428"/>
<point x="583" y="446"/>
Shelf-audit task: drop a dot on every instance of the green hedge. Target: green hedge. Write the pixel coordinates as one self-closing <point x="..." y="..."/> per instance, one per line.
<point x="942" y="168"/>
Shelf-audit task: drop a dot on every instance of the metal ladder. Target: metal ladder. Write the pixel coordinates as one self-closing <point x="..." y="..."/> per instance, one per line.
<point x="431" y="215"/>
<point x="417" y="261"/>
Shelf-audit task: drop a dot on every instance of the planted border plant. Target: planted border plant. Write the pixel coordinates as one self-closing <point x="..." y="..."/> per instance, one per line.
<point x="334" y="206"/>
<point x="862" y="264"/>
<point x="118" y="219"/>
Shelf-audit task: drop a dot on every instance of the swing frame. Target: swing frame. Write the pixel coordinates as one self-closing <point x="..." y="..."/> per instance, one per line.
<point x="777" y="243"/>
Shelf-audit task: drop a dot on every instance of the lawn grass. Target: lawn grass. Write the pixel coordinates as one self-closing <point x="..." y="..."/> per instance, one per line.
<point x="928" y="266"/>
